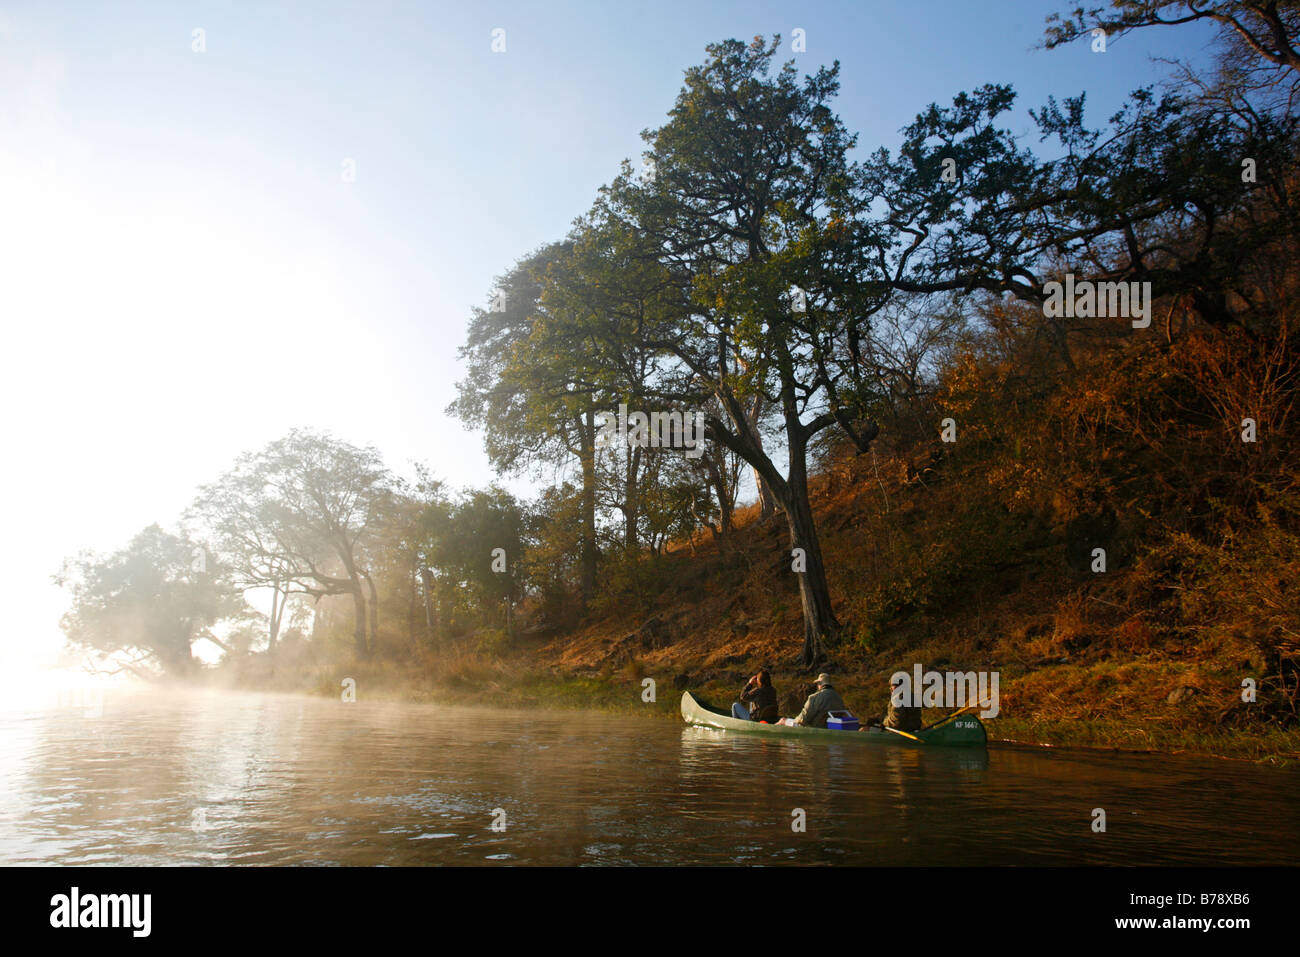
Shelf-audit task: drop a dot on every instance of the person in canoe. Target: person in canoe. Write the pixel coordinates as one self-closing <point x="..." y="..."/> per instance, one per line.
<point x="757" y="700"/>
<point x="820" y="704"/>
<point x="898" y="718"/>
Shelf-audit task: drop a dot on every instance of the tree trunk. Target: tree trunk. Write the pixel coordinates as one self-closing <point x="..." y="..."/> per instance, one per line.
<point x="631" y="493"/>
<point x="714" y="465"/>
<point x="278" y="600"/>
<point x="216" y="641"/>
<point x="819" y="620"/>
<point x="413" y="589"/>
<point x="374" y="610"/>
<point x="359" y="621"/>
<point x="819" y="623"/>
<point x="430" y="619"/>
<point x="702" y="521"/>
<point x="766" y="498"/>
<point x="587" y="444"/>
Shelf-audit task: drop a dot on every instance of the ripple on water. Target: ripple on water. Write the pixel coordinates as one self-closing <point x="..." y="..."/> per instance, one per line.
<point x="307" y="783"/>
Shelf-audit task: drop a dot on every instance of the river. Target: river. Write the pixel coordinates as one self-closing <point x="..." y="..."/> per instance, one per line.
<point x="241" y="778"/>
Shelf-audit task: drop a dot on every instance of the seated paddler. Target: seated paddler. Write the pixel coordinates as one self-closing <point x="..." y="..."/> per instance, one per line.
<point x="901" y="716"/>
<point x="820" y="704"/>
<point x="757" y="699"/>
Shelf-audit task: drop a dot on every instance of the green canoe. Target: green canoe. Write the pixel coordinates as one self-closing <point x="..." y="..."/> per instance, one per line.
<point x="964" y="732"/>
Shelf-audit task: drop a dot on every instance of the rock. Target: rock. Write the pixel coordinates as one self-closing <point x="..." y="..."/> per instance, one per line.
<point x="1181" y="694"/>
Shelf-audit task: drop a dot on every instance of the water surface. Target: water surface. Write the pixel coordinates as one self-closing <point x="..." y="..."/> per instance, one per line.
<point x="198" y="778"/>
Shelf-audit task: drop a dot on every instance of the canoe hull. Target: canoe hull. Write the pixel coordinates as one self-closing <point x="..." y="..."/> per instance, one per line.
<point x="966" y="731"/>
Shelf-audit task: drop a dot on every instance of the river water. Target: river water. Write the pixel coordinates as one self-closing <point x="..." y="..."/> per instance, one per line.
<point x="212" y="778"/>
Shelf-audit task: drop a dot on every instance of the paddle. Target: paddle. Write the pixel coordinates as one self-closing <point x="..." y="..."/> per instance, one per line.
<point x="956" y="714"/>
<point x="903" y="733"/>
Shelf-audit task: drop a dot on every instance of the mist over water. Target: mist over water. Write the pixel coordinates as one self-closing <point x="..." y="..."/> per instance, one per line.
<point x="210" y="778"/>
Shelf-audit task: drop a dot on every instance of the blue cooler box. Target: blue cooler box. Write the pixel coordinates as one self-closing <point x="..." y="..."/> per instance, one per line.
<point x="841" y="721"/>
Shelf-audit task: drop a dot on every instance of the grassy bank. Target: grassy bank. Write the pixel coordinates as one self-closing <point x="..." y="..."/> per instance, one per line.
<point x="521" y="678"/>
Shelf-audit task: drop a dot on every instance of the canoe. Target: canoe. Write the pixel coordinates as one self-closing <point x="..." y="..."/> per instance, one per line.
<point x="966" y="731"/>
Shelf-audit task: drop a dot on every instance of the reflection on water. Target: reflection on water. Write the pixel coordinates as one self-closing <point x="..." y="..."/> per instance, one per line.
<point x="178" y="778"/>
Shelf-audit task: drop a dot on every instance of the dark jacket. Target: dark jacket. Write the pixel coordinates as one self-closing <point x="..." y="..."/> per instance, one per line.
<point x="819" y="706"/>
<point x="762" y="703"/>
<point x="904" y="719"/>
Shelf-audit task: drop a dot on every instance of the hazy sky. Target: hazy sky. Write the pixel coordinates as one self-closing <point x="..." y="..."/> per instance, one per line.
<point x="187" y="270"/>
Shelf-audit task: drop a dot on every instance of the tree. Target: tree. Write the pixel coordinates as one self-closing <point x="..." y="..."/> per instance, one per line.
<point x="1267" y="27"/>
<point x="420" y="518"/>
<point x="153" y="600"/>
<point x="479" y="548"/>
<point x="1156" y="197"/>
<point x="297" y="516"/>
<point x="1159" y="195"/>
<point x="612" y="295"/>
<point x="526" y="388"/>
<point x="752" y="195"/>
<point x="234" y="513"/>
<point x="553" y="538"/>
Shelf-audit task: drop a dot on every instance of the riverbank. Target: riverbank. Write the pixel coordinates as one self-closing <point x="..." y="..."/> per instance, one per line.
<point x="1172" y="648"/>
<point x="1193" y="725"/>
<point x="258" y="779"/>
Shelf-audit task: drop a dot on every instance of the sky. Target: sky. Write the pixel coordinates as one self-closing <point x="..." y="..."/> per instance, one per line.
<point x="221" y="221"/>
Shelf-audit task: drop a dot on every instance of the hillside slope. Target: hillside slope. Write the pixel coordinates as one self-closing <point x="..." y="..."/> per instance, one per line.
<point x="966" y="556"/>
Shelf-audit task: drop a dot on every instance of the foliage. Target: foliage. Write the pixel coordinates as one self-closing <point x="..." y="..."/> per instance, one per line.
<point x="151" y="601"/>
<point x="831" y="315"/>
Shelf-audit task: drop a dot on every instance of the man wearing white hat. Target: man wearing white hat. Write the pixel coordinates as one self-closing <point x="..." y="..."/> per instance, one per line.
<point x="821" y="704"/>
